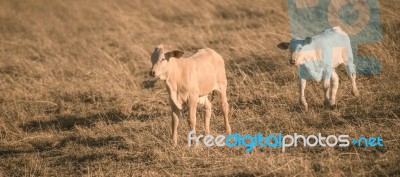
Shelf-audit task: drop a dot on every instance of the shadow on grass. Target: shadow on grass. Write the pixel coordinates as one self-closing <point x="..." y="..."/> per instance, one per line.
<point x="241" y="174"/>
<point x="6" y="152"/>
<point x="67" y="122"/>
<point x="115" y="141"/>
<point x="149" y="83"/>
<point x="51" y="148"/>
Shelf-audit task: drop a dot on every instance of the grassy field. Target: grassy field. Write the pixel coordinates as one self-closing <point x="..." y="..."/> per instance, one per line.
<point x="76" y="98"/>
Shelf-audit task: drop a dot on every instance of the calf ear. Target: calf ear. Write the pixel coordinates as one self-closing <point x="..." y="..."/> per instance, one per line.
<point x="308" y="40"/>
<point x="177" y="53"/>
<point x="283" y="45"/>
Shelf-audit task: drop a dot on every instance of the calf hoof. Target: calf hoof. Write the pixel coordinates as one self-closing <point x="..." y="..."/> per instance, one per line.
<point x="356" y="93"/>
<point x="174" y="143"/>
<point x="327" y="104"/>
<point x="229" y="131"/>
<point x="305" y="107"/>
<point x="206" y="132"/>
<point x="333" y="106"/>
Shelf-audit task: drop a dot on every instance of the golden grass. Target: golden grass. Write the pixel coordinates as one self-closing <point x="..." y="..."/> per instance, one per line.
<point x="76" y="98"/>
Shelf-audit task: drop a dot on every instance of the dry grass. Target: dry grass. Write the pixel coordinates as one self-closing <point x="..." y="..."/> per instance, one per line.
<point x="75" y="98"/>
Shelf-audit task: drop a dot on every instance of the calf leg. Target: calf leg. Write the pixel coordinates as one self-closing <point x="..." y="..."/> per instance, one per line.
<point x="193" y="99"/>
<point x="335" y="86"/>
<point x="207" y="116"/>
<point x="176" y="113"/>
<point x="353" y="84"/>
<point x="302" y="98"/>
<point x="326" y="88"/>
<point x="225" y="108"/>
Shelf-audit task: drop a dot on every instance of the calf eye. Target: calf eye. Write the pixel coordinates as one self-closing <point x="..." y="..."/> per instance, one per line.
<point x="162" y="59"/>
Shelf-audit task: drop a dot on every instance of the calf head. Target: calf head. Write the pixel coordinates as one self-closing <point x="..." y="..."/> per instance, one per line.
<point x="161" y="61"/>
<point x="295" y="47"/>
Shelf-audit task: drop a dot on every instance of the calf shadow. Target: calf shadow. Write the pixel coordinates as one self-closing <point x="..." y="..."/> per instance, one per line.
<point x="116" y="141"/>
<point x="68" y="122"/>
<point x="149" y="84"/>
